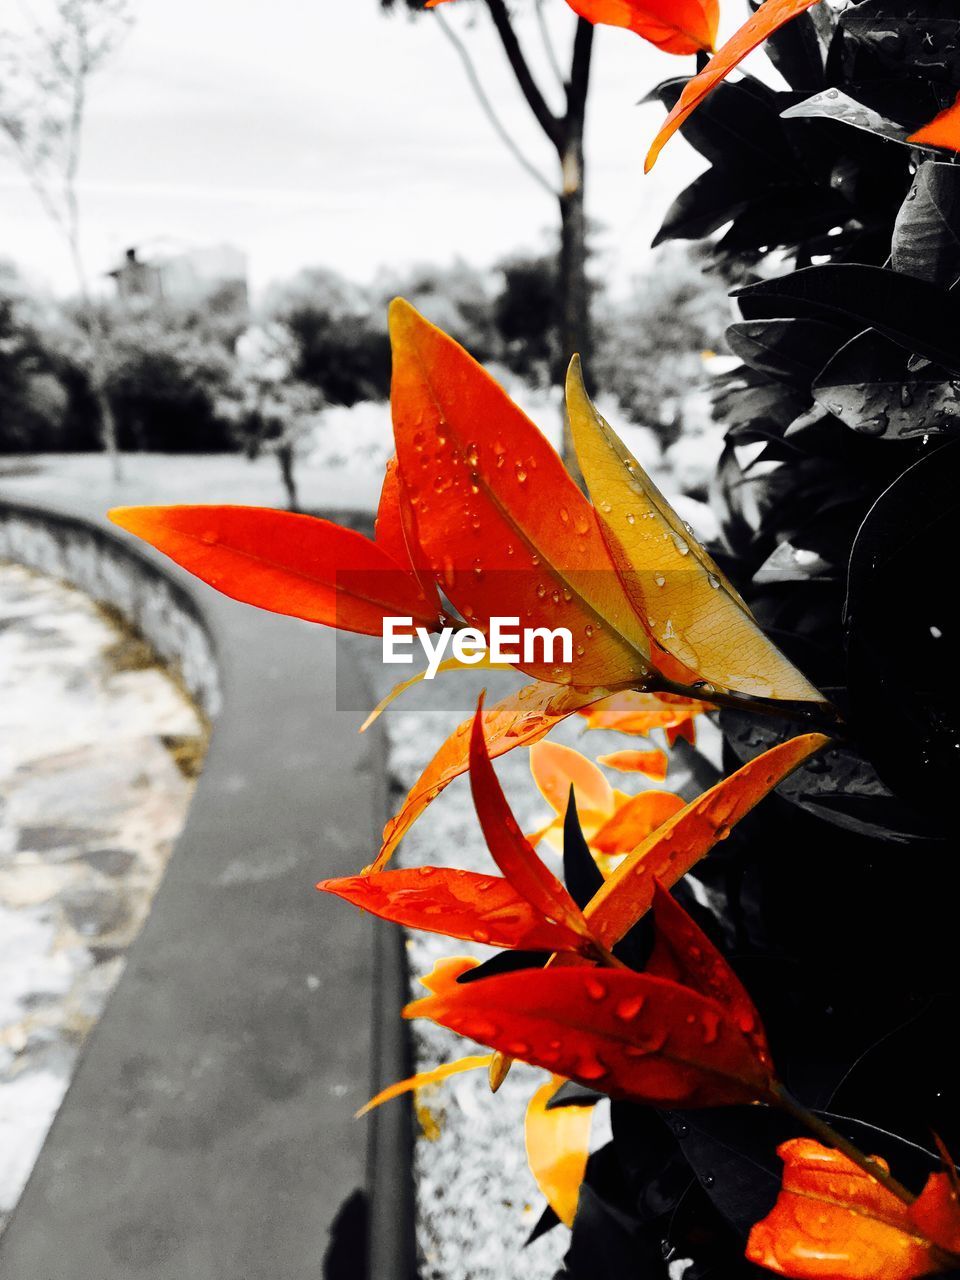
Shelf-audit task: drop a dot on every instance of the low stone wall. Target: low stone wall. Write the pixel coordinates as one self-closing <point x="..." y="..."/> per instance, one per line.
<point x="116" y="575"/>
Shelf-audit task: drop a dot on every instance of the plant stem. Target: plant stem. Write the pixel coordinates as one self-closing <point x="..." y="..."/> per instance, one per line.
<point x="820" y="716"/>
<point x="832" y="1138"/>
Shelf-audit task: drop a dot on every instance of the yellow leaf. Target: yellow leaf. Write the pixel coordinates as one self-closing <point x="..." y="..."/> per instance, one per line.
<point x="558" y="1144"/>
<point x="424" y="1078"/>
<point x="691" y="610"/>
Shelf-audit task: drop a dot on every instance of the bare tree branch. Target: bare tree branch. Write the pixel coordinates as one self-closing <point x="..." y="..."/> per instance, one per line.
<point x="548" y="45"/>
<point x="549" y="123"/>
<point x="488" y="108"/>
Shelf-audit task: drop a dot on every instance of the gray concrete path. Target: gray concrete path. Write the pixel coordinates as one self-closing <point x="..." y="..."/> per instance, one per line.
<point x="207" y="1134"/>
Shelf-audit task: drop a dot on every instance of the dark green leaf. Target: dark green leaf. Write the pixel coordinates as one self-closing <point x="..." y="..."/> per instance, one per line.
<point x="869" y="387"/>
<point x="913" y="313"/>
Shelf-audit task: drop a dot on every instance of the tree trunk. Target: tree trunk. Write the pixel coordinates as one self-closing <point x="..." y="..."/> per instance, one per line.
<point x="573" y="283"/>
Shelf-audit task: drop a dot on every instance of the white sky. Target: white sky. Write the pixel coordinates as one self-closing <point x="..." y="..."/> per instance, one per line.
<point x="322" y="132"/>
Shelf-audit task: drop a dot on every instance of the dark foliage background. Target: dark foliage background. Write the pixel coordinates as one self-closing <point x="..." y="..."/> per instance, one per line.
<point x="837" y="492"/>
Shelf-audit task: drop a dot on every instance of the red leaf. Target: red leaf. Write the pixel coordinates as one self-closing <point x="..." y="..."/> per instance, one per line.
<point x="628" y="1034"/>
<point x="683" y="953"/>
<point x="768" y="18"/>
<point x="456" y="903"/>
<point x="395" y="534"/>
<point x="518" y="720"/>
<point x="287" y="563"/>
<point x="670" y="851"/>
<point x="511" y="850"/>
<point x="943" y="131"/>
<point x="505" y="530"/>
<point x="675" y="26"/>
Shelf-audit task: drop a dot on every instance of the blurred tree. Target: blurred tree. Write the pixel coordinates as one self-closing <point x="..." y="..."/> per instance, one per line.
<point x="269" y="408"/>
<point x="650" y="346"/>
<point x="458" y="298"/>
<point x="164" y="371"/>
<point x="526" y="312"/>
<point x="565" y="135"/>
<point x="44" y="79"/>
<point x="32" y="398"/>
<point x="339" y="335"/>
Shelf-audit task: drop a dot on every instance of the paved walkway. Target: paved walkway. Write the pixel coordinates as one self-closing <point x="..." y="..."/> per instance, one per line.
<point x="207" y="1133"/>
<point x="91" y="801"/>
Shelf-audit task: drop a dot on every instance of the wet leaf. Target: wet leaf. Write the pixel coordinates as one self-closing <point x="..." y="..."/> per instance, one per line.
<point x="832" y="1219"/>
<point x="869" y="387"/>
<point x="683" y="953"/>
<point x="458" y="904"/>
<point x="628" y="1034"/>
<point x="286" y="563"/>
<point x="505" y="530"/>
<point x="558" y="1144"/>
<point x="692" y="611"/>
<point x="669" y="853"/>
<point x="834" y="104"/>
<point x="513" y="853"/>
<point x="792" y="351"/>
<point x="518" y="720"/>
<point x="769" y="17"/>
<point x="926" y="235"/>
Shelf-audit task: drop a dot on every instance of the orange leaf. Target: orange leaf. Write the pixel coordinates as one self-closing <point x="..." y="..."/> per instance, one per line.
<point x="653" y="764"/>
<point x="832" y="1221"/>
<point x="768" y="18"/>
<point x="511" y="850"/>
<point x="287" y="563"/>
<point x="558" y="1144"/>
<point x="683" y="953"/>
<point x="635" y="821"/>
<point x="936" y="1211"/>
<point x="459" y="904"/>
<point x="676" y="26"/>
<point x="626" y="1033"/>
<point x="639" y="713"/>
<point x="425" y="1078"/>
<point x="516" y="721"/>
<point x="502" y="525"/>
<point x="942" y="131"/>
<point x="670" y="851"/>
<point x="557" y="768"/>
<point x="445" y="972"/>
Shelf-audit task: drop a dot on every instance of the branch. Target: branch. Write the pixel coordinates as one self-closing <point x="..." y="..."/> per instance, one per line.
<point x="477" y="85"/>
<point x="579" y="82"/>
<point x="548" y="44"/>
<point x="549" y="123"/>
